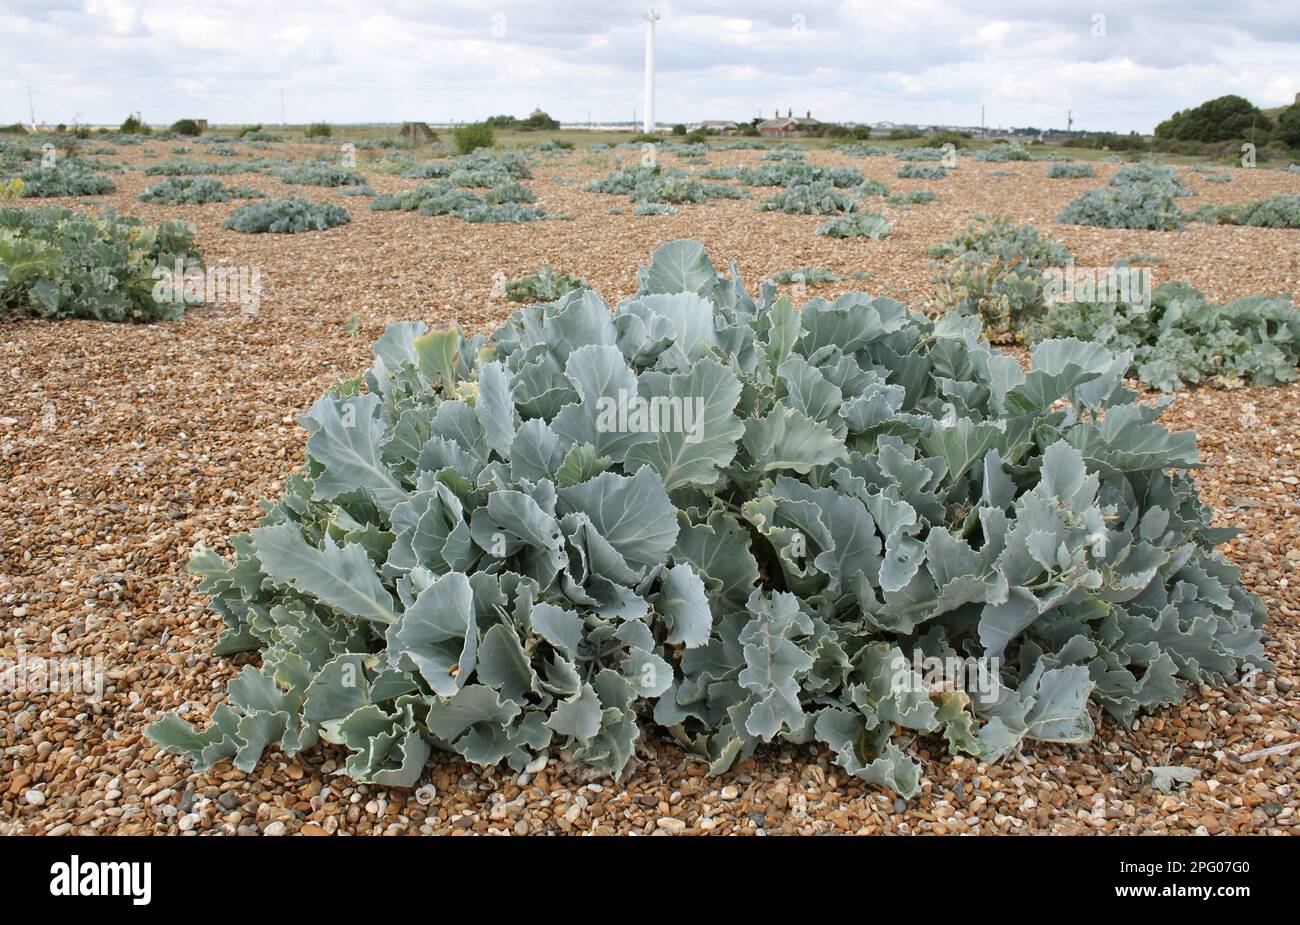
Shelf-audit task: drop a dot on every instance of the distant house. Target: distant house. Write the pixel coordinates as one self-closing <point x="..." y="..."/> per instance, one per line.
<point x="789" y="125"/>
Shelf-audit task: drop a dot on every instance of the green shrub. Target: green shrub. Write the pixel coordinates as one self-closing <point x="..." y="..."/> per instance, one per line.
<point x="1183" y="340"/>
<point x="994" y="269"/>
<point x="542" y="286"/>
<point x="318" y="130"/>
<point x="1102" y="141"/>
<point x="471" y="137"/>
<point x="941" y="138"/>
<point x="61" y="264"/>
<point x="286" y="216"/>
<point x="134" y="125"/>
<point x="1223" y="119"/>
<point x="870" y="490"/>
<point x="1288" y="126"/>
<point x="187" y="127"/>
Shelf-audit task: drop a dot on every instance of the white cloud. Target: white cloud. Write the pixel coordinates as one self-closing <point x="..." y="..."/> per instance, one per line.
<point x="1026" y="61"/>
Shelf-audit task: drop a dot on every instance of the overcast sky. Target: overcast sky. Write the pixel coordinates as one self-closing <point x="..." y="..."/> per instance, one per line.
<point x="1116" y="66"/>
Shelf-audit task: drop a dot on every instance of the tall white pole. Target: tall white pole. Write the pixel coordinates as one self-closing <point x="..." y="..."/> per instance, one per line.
<point x="650" y="18"/>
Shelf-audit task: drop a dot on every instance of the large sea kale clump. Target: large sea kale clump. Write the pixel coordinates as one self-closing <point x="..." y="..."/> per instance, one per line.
<point x="1182" y="339"/>
<point x="1143" y="196"/>
<point x="55" y="263"/>
<point x="723" y="517"/>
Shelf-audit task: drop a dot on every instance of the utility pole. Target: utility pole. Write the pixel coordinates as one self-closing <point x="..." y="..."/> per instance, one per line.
<point x="31" y="107"/>
<point x="981" y="123"/>
<point x="1069" y="120"/>
<point x="650" y="17"/>
<point x="282" y="121"/>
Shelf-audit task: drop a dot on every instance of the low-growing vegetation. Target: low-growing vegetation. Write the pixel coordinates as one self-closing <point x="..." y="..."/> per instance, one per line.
<point x="1064" y="171"/>
<point x="1182" y="339"/>
<point x="1279" y="211"/>
<point x="61" y="264"/>
<point x="994" y="269"/>
<point x="67" y="179"/>
<point x="544" y="285"/>
<point x="321" y="173"/>
<point x="857" y="224"/>
<point x="473" y="558"/>
<point x="1142" y="196"/>
<point x="176" y="191"/>
<point x="921" y="172"/>
<point x="286" y="216"/>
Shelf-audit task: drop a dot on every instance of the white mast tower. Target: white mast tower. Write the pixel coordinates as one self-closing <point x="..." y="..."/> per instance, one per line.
<point x="650" y="17"/>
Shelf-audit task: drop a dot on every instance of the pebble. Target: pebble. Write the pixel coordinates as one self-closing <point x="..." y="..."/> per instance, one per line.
<point x="274" y="828"/>
<point x="670" y="825"/>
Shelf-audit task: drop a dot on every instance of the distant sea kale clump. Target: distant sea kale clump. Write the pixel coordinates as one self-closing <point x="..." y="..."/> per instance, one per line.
<point x="175" y="191"/>
<point x="68" y="179"/>
<point x="1142" y="196"/>
<point x="728" y="519"/>
<point x="286" y="216"/>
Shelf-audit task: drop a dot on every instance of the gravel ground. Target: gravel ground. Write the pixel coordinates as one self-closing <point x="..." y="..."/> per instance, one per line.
<point x="122" y="447"/>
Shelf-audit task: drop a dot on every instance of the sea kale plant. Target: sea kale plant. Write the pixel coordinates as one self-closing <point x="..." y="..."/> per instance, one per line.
<point x="286" y="216"/>
<point x="321" y="173"/>
<point x="921" y="172"/>
<point x="1278" y="211"/>
<point x="994" y="269"/>
<point x="1183" y="340"/>
<point x="815" y="197"/>
<point x="728" y="519"/>
<point x="1066" y="171"/>
<point x="67" y="179"/>
<point x="860" y="223"/>
<point x="60" y="264"/>
<point x="545" y="285"/>
<point x="1141" y="196"/>
<point x="175" y="191"/>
